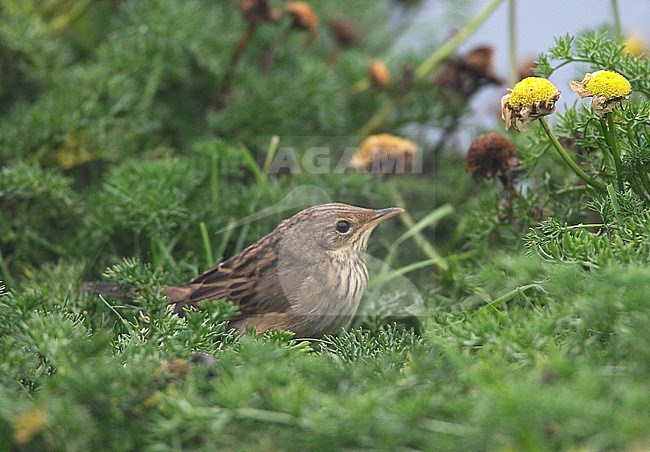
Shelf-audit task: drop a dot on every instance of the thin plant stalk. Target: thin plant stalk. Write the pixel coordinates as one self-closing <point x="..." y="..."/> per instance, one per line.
<point x="419" y="239"/>
<point x="568" y="160"/>
<point x="428" y="65"/>
<point x="269" y="56"/>
<point x="242" y="45"/>
<point x="227" y="233"/>
<point x="207" y="246"/>
<point x="243" y="235"/>
<point x="428" y="221"/>
<point x="617" y="20"/>
<point x="617" y="209"/>
<point x="215" y="191"/>
<point x="383" y="278"/>
<point x="512" y="41"/>
<point x="270" y="154"/>
<point x="609" y="127"/>
<point x="645" y="181"/>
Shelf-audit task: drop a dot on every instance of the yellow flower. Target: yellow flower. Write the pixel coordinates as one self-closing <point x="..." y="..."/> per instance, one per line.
<point x="608" y="84"/>
<point x="531" y="90"/>
<point x="383" y="152"/>
<point x="531" y="98"/>
<point x="635" y="46"/>
<point x="607" y="88"/>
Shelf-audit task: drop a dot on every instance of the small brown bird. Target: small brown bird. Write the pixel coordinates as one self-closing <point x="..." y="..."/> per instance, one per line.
<point x="307" y="276"/>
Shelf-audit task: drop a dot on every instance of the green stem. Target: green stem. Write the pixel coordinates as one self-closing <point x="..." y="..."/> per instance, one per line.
<point x="389" y="276"/>
<point x="569" y="161"/>
<point x="613" y="145"/>
<point x="418" y="238"/>
<point x="493" y="304"/>
<point x="377" y="119"/>
<point x="214" y="178"/>
<point x="429" y="220"/>
<point x="428" y="65"/>
<point x="617" y="20"/>
<point x="270" y="154"/>
<point x="206" y="244"/>
<point x="512" y="41"/>
<point x="153" y="246"/>
<point x="450" y="47"/>
<point x="615" y="206"/>
<point x="227" y="232"/>
<point x="645" y="181"/>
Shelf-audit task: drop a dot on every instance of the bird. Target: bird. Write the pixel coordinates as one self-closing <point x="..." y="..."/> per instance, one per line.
<point x="307" y="276"/>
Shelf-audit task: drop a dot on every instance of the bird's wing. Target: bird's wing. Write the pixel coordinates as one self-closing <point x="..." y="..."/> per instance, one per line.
<point x="248" y="279"/>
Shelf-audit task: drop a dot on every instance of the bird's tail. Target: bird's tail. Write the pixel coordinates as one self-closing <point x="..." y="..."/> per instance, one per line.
<point x="177" y="295"/>
<point x="107" y="289"/>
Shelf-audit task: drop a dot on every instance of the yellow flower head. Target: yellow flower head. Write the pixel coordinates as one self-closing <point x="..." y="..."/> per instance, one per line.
<point x="378" y="151"/>
<point x="379" y="74"/>
<point x="635" y="46"/>
<point x="608" y="88"/>
<point x="531" y="90"/>
<point x="608" y="84"/>
<point x="531" y="98"/>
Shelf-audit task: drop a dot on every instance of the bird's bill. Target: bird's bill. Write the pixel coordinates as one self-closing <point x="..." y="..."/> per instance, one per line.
<point x="384" y="214"/>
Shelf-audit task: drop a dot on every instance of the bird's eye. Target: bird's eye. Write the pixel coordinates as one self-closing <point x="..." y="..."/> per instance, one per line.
<point x="343" y="227"/>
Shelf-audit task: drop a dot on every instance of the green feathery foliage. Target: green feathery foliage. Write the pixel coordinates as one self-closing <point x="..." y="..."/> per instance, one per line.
<point x="495" y="319"/>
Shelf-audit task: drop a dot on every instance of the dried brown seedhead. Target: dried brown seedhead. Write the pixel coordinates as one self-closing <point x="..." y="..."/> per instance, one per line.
<point x="480" y="60"/>
<point x="258" y="11"/>
<point x="344" y="31"/>
<point x="492" y="155"/>
<point x="467" y="73"/>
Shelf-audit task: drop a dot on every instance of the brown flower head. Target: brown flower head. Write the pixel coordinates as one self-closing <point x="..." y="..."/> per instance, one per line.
<point x="531" y="98"/>
<point x="379" y="74"/>
<point x="303" y="18"/>
<point x="384" y="153"/>
<point x="467" y="73"/>
<point x="257" y="11"/>
<point x="480" y="60"/>
<point x="606" y="88"/>
<point x="344" y="31"/>
<point x="492" y="155"/>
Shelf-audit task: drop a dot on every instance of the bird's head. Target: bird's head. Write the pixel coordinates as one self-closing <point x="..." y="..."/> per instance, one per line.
<point x="336" y="226"/>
